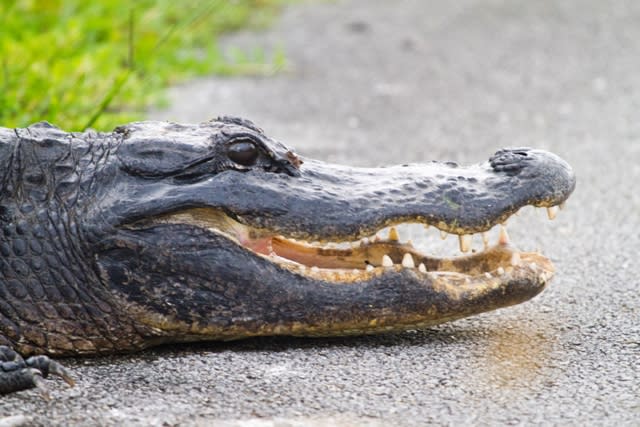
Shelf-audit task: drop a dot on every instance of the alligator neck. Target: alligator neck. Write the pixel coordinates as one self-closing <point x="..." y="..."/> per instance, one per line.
<point x="50" y="295"/>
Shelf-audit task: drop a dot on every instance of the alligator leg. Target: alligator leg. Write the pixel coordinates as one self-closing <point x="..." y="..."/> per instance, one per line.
<point x="18" y="374"/>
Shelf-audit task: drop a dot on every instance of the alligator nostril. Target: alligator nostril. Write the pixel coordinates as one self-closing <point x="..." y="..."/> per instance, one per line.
<point x="510" y="160"/>
<point x="521" y="153"/>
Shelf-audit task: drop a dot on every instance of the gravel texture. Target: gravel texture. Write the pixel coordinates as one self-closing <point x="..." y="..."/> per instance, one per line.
<point x="380" y="82"/>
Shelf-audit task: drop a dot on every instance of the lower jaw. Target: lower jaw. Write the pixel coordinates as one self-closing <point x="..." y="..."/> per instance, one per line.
<point x="384" y="303"/>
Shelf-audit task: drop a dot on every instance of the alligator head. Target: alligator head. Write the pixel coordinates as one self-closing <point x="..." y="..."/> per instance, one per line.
<point x="173" y="232"/>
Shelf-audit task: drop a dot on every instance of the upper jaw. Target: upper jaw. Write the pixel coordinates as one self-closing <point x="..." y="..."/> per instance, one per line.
<point x="333" y="202"/>
<point x="336" y="203"/>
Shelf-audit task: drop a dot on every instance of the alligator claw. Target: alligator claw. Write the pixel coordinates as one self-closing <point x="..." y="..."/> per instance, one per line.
<point x="50" y="367"/>
<point x="18" y="374"/>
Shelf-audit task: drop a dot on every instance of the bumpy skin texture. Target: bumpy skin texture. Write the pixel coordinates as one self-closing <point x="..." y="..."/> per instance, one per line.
<point x="78" y="276"/>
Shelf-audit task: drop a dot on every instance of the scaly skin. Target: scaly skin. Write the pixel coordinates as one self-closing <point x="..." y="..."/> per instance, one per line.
<point x="160" y="232"/>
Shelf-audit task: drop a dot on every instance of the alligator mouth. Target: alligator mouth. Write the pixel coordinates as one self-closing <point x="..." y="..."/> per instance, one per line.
<point x="348" y="261"/>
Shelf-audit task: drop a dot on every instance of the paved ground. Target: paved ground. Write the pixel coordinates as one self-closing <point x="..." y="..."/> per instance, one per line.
<point x="374" y="82"/>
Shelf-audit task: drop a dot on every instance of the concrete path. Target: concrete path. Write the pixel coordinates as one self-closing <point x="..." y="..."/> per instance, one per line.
<point x="379" y="82"/>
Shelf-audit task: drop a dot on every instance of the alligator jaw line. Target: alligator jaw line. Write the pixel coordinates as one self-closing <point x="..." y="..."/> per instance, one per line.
<point x="347" y="262"/>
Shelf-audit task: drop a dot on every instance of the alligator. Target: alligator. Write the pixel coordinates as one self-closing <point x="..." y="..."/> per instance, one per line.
<point x="159" y="232"/>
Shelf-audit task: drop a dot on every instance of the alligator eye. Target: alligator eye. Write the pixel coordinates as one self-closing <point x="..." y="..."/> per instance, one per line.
<point x="244" y="153"/>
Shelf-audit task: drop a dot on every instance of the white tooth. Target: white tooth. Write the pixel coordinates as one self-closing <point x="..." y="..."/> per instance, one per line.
<point x="303" y="268"/>
<point x="426" y="226"/>
<point x="562" y="205"/>
<point x="485" y="239"/>
<point x="443" y="234"/>
<point x="422" y="268"/>
<point x="377" y="238"/>
<point x="407" y="261"/>
<point x="355" y="271"/>
<point x="503" y="239"/>
<point x="515" y="259"/>
<point x="355" y="245"/>
<point x="465" y="242"/>
<point x="386" y="261"/>
<point x="533" y="265"/>
<point x="500" y="271"/>
<point x="393" y="235"/>
<point x="552" y="212"/>
<point x="365" y="241"/>
<point x="315" y="269"/>
<point x="369" y="268"/>
<point x="409" y="243"/>
<point x="488" y="275"/>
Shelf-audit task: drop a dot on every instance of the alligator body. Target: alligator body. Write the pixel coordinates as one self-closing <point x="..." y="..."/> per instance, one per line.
<point x="161" y="232"/>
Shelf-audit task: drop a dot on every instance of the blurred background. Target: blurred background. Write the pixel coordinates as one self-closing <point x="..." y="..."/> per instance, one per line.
<point x="98" y="64"/>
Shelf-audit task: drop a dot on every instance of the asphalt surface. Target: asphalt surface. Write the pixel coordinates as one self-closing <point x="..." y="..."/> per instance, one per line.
<point x="380" y="82"/>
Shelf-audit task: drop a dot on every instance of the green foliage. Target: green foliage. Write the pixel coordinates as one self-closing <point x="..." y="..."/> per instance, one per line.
<point x="81" y="64"/>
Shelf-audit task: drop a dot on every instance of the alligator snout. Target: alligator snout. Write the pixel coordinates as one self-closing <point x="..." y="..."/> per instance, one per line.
<point x="537" y="177"/>
<point x="332" y="202"/>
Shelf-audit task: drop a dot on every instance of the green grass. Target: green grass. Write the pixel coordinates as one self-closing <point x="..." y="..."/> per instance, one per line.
<point x="79" y="63"/>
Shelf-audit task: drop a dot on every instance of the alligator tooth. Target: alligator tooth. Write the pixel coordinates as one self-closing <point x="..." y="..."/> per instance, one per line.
<point x="315" y="269"/>
<point x="533" y="265"/>
<point x="302" y="268"/>
<point x="355" y="271"/>
<point x="369" y="268"/>
<point x="377" y="238"/>
<point x="485" y="239"/>
<point x="422" y="268"/>
<point x="503" y="239"/>
<point x="426" y="226"/>
<point x="364" y="242"/>
<point x="515" y="259"/>
<point x="443" y="234"/>
<point x="393" y="235"/>
<point x="552" y="212"/>
<point x="407" y="261"/>
<point x="409" y="243"/>
<point x="465" y="242"/>
<point x="386" y="261"/>
<point x="488" y="275"/>
<point x="500" y="271"/>
<point x="562" y="205"/>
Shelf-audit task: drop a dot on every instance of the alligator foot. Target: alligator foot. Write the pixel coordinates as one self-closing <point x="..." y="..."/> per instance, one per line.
<point x="18" y="374"/>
